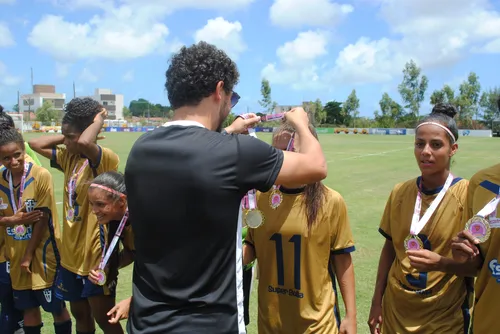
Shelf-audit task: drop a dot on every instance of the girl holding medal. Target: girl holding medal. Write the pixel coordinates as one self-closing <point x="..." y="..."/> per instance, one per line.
<point x="10" y="318"/>
<point x="477" y="248"/>
<point x="81" y="160"/>
<point x="420" y="218"/>
<point x="303" y="246"/>
<point x="30" y="246"/>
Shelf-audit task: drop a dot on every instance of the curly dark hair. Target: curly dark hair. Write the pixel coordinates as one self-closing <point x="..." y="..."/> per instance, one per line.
<point x="9" y="134"/>
<point x="80" y="113"/>
<point x="194" y="73"/>
<point x="444" y="113"/>
<point x="6" y="119"/>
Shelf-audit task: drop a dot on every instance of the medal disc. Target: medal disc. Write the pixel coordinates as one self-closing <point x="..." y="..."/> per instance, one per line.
<point x="254" y="218"/>
<point x="275" y="199"/>
<point x="413" y="242"/>
<point x="101" y="277"/>
<point x="71" y="214"/>
<point x="479" y="227"/>
<point x="19" y="230"/>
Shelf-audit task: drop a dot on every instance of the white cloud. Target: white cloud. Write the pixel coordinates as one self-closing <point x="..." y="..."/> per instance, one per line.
<point x="298" y="61"/>
<point x="434" y="33"/>
<point x="128" y="76"/>
<point x="6" y="38"/>
<point x="62" y="69"/>
<point x="122" y="29"/>
<point x="88" y="76"/>
<point x="315" y="13"/>
<point x="7" y="79"/>
<point x="223" y="34"/>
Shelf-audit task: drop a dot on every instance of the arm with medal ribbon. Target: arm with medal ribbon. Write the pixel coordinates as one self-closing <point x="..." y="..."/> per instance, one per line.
<point x="98" y="276"/>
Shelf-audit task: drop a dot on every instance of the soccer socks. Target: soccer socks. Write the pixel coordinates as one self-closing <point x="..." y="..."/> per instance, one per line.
<point x="33" y="329"/>
<point x="62" y="327"/>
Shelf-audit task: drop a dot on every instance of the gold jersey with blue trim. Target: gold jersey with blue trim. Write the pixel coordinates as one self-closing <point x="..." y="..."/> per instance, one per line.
<point x="27" y="159"/>
<point x="297" y="288"/>
<point x="39" y="195"/>
<point x="421" y="302"/>
<point x="483" y="187"/>
<point x="82" y="237"/>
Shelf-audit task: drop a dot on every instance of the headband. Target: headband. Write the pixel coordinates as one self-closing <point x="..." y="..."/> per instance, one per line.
<point x="100" y="186"/>
<point x="442" y="127"/>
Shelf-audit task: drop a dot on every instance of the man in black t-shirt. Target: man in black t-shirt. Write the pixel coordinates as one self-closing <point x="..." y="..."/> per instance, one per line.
<point x="185" y="182"/>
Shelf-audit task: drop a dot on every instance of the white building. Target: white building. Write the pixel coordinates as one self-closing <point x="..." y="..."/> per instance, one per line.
<point x="112" y="102"/>
<point x="41" y="93"/>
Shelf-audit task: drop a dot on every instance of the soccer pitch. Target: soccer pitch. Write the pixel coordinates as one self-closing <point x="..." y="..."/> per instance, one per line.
<point x="364" y="169"/>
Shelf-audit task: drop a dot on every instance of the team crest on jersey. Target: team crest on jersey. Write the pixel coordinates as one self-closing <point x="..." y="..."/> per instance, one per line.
<point x="26" y="235"/>
<point x="494" y="267"/>
<point x="48" y="295"/>
<point x="3" y="206"/>
<point x="30" y="205"/>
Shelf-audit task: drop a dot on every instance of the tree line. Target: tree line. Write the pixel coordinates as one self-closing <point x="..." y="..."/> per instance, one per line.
<point x="476" y="108"/>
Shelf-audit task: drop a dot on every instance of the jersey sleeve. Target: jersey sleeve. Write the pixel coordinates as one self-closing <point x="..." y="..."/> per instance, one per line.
<point x="44" y="191"/>
<point x="60" y="158"/>
<point x="31" y="154"/>
<point x="258" y="163"/>
<point x="385" y="223"/>
<point x="469" y="201"/>
<point x="342" y="240"/>
<point x="108" y="161"/>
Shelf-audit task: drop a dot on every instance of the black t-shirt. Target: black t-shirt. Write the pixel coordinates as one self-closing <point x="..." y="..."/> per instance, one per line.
<point x="185" y="185"/>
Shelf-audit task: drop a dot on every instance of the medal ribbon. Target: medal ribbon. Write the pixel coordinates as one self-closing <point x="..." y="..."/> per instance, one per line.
<point x="106" y="254"/>
<point x="490" y="207"/>
<point x="16" y="207"/>
<point x="72" y="182"/>
<point x="290" y="147"/>
<point x="418" y="224"/>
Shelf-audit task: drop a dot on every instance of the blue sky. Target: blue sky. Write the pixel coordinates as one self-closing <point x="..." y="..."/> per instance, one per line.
<point x="308" y="49"/>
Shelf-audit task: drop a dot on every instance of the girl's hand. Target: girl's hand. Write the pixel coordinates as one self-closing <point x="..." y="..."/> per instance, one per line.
<point x="94" y="276"/>
<point x="120" y="311"/>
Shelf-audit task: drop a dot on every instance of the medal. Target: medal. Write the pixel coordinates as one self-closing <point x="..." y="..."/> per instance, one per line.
<point x="19" y="230"/>
<point x="276" y="198"/>
<point x="71" y="214"/>
<point x="101" y="277"/>
<point x="479" y="227"/>
<point x="413" y="242"/>
<point x="106" y="253"/>
<point x="254" y="218"/>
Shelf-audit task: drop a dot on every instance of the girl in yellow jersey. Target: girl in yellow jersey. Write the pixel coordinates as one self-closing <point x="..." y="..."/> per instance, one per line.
<point x="420" y="218"/>
<point x="304" y="244"/>
<point x="108" y="197"/>
<point x="477" y="250"/>
<point x="11" y="319"/>
<point x="31" y="248"/>
<point x="81" y="160"/>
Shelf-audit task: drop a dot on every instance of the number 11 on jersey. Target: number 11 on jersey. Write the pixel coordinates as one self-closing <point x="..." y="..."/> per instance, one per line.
<point x="296" y="240"/>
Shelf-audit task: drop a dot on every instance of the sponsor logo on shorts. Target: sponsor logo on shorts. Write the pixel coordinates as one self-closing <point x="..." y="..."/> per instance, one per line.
<point x="48" y="295"/>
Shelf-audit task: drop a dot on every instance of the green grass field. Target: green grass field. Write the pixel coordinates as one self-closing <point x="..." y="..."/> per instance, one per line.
<point x="363" y="169"/>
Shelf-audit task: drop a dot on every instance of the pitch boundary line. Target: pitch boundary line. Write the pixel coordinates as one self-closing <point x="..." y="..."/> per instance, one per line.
<point x="370" y="154"/>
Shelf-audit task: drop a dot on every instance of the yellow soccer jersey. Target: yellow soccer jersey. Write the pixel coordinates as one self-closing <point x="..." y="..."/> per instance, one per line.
<point x="296" y="279"/>
<point x="128" y="237"/>
<point x="39" y="194"/>
<point x="419" y="302"/>
<point x="82" y="239"/>
<point x="483" y="187"/>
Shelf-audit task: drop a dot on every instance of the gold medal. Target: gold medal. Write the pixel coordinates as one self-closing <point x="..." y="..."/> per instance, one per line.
<point x="19" y="231"/>
<point x="71" y="214"/>
<point x="254" y="218"/>
<point x="413" y="242"/>
<point x="101" y="277"/>
<point x="275" y="198"/>
<point x="479" y="227"/>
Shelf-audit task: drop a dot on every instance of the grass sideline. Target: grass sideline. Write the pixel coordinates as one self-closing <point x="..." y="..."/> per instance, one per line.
<point x="363" y="169"/>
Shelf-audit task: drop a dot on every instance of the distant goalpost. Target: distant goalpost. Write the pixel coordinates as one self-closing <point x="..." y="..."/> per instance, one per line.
<point x="18" y="119"/>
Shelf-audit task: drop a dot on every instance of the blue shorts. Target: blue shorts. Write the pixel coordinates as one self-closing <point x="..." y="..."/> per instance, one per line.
<point x="72" y="287"/>
<point x="5" y="273"/>
<point x="46" y="298"/>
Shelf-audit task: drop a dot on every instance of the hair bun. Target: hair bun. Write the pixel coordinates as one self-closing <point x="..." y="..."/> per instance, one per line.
<point x="1" y="109"/>
<point x="445" y="109"/>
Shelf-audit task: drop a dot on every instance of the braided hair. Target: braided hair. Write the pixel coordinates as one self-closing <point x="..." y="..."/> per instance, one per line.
<point x="80" y="113"/>
<point x="6" y="119"/>
<point x="9" y="134"/>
